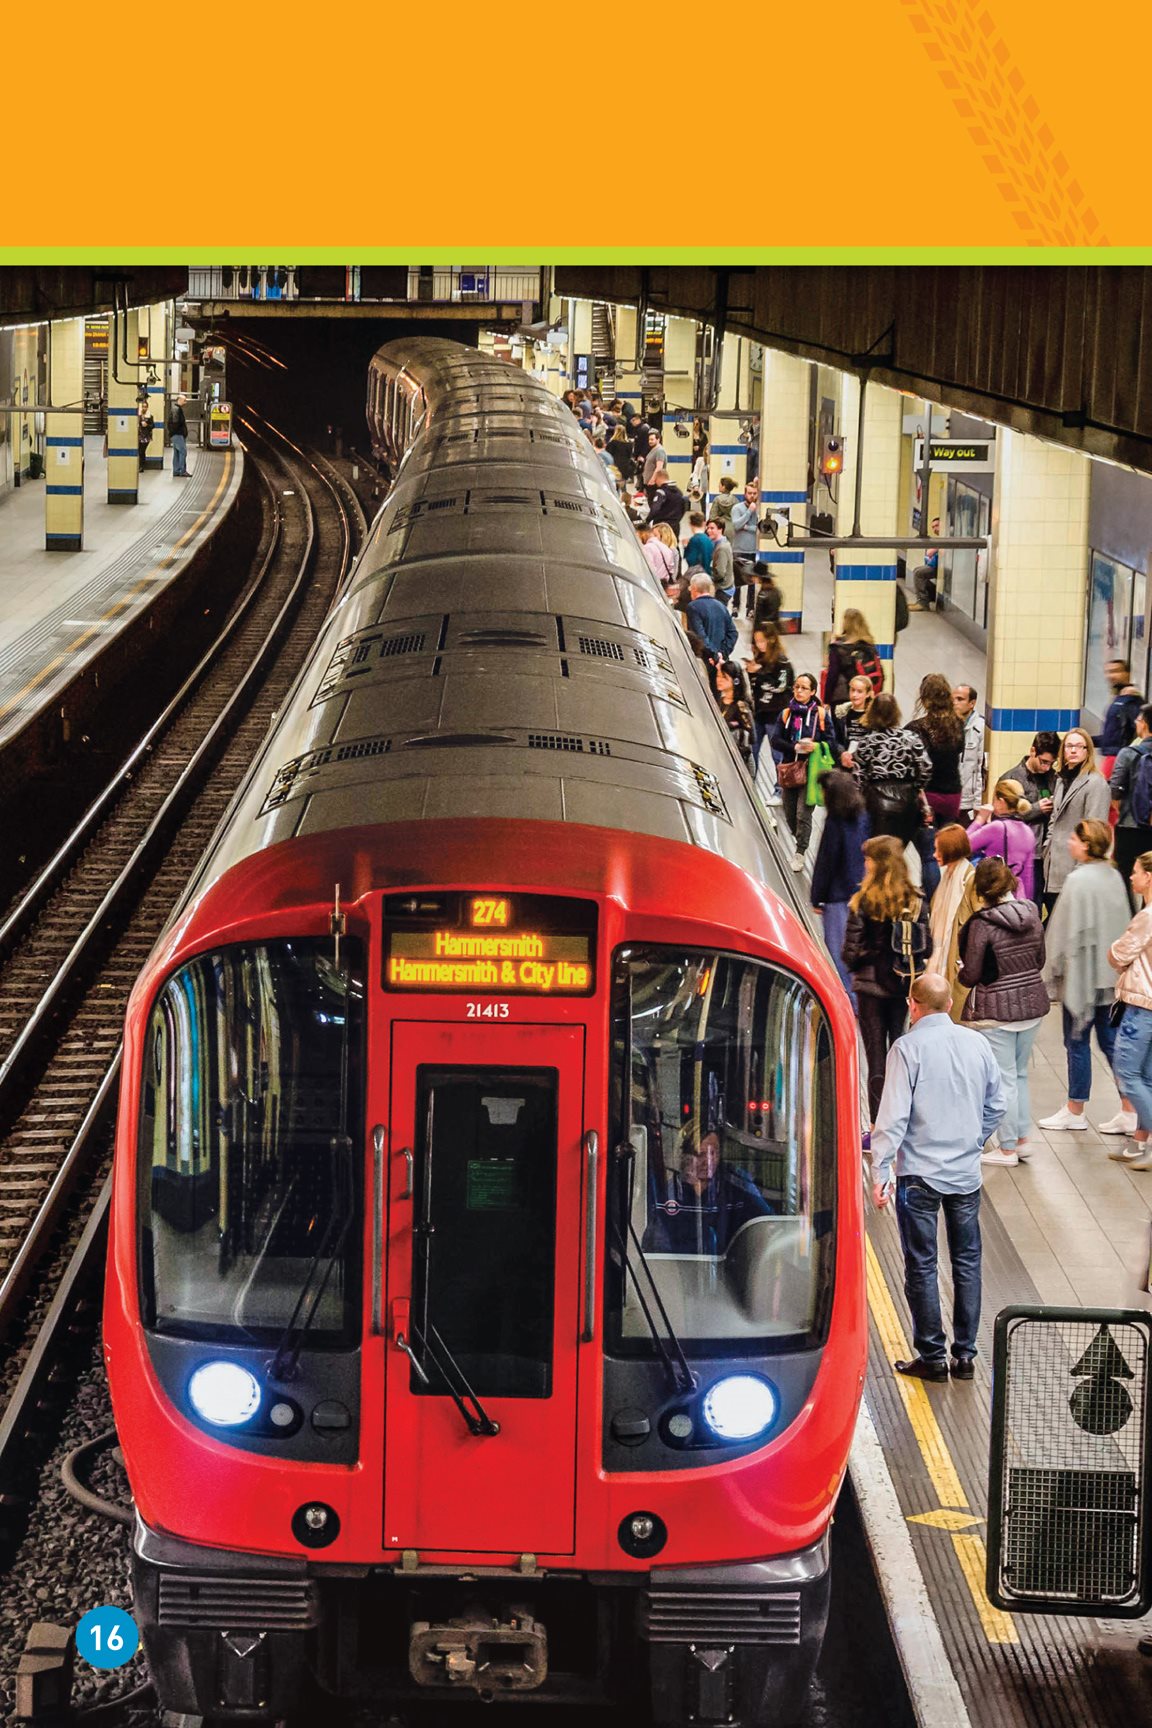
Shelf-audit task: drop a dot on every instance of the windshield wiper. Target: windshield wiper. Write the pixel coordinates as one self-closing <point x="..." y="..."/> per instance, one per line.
<point x="476" y="1418"/>
<point x="287" y="1358"/>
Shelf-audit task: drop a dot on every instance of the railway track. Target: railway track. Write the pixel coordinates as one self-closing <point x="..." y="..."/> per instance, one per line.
<point x="71" y="950"/>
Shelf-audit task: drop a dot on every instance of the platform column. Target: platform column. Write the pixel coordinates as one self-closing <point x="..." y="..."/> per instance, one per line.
<point x="64" y="439"/>
<point x="580" y="345"/>
<point x="679" y="396"/>
<point x="784" y="455"/>
<point x="1038" y="594"/>
<point x="866" y="577"/>
<point x="123" y="446"/>
<point x="726" y="454"/>
<point x="153" y="330"/>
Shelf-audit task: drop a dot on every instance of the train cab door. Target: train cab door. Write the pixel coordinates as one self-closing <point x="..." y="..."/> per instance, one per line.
<point x="482" y="1285"/>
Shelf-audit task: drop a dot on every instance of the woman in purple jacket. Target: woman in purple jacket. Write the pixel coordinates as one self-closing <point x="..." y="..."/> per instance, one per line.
<point x="1000" y="831"/>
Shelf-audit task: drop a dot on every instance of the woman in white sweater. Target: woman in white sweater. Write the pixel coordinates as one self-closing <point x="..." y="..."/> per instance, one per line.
<point x="1131" y="955"/>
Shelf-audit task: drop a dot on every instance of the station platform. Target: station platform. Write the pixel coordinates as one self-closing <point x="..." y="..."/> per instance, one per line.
<point x="1068" y="1226"/>
<point x="59" y="610"/>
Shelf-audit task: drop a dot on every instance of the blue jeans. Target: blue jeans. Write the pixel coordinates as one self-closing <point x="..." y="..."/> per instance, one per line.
<point x="1012" y="1050"/>
<point x="1079" y="1048"/>
<point x="1132" y="1062"/>
<point x="835" y="926"/>
<point x="917" y="1213"/>
<point x="179" y="454"/>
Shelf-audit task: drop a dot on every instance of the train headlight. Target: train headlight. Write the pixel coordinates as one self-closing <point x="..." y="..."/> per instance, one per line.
<point x="224" y="1393"/>
<point x="740" y="1407"/>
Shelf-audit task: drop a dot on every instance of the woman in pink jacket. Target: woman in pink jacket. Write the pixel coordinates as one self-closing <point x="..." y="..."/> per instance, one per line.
<point x="1000" y="831"/>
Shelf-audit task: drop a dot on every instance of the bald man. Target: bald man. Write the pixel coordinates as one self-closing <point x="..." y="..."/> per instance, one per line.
<point x="942" y="1098"/>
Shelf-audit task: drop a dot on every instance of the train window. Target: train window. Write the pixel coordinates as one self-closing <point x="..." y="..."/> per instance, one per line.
<point x="251" y="1126"/>
<point x="729" y="1184"/>
<point x="486" y="1196"/>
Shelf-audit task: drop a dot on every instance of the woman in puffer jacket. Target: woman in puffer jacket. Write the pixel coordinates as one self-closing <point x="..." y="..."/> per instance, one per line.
<point x="1001" y="961"/>
<point x="1131" y="955"/>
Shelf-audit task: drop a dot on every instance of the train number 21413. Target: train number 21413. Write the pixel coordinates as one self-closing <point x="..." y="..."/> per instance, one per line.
<point x="488" y="1010"/>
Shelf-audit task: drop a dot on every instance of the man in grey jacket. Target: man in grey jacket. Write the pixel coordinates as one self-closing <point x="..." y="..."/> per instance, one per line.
<point x="973" y="761"/>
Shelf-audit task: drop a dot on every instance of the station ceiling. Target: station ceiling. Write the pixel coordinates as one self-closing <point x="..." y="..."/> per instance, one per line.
<point x="1064" y="352"/>
<point x="34" y="292"/>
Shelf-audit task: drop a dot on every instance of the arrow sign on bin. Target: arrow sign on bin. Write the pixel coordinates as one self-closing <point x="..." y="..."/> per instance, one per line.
<point x="1101" y="1405"/>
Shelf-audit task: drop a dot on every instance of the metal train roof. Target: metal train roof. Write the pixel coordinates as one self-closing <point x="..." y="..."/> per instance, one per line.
<point x="501" y="649"/>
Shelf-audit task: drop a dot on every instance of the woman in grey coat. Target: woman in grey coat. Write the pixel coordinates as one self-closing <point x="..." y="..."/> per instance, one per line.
<point x="1082" y="795"/>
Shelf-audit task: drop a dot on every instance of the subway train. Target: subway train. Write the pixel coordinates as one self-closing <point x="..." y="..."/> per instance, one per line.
<point x="485" y="1307"/>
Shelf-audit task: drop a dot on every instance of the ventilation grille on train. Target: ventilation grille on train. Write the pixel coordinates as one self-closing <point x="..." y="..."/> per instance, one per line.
<point x="717" y="1617"/>
<point x="357" y="655"/>
<point x="237" y="1604"/>
<point x="567" y="741"/>
<point x="649" y="659"/>
<point x="509" y="638"/>
<point x="477" y="501"/>
<point x="300" y="767"/>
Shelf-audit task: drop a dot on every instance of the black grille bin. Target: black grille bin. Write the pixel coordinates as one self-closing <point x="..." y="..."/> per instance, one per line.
<point x="1071" y="1462"/>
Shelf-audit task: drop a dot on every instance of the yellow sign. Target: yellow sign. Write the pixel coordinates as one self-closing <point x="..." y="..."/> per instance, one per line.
<point x="524" y="961"/>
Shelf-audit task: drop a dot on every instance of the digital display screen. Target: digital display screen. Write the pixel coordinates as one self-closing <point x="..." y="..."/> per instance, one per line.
<point x="491" y="944"/>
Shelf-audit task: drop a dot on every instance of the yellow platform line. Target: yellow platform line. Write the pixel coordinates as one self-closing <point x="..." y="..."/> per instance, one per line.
<point x="925" y="1426"/>
<point x="78" y="642"/>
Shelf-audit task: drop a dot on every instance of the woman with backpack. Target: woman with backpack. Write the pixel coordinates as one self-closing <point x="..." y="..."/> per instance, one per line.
<point x="1091" y="914"/>
<point x="887" y="944"/>
<point x="1001" y="961"/>
<point x="852" y="651"/>
<point x="940" y="729"/>
<point x="803" y="724"/>
<point x="852" y="716"/>
<point x="1082" y="795"/>
<point x="1001" y="831"/>
<point x="892" y="767"/>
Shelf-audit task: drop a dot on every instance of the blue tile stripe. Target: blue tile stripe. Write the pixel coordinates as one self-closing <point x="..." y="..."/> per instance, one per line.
<point x="774" y="555"/>
<point x="884" y="650"/>
<point x="65" y="443"/>
<point x="727" y="449"/>
<point x="128" y="450"/>
<point x="65" y="491"/>
<point x="685" y="459"/>
<point x="863" y="572"/>
<point x="790" y="614"/>
<point x="629" y="395"/>
<point x="783" y="497"/>
<point x="1033" y="719"/>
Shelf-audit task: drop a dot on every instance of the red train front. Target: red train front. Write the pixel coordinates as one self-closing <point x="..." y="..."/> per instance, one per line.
<point x="485" y="1307"/>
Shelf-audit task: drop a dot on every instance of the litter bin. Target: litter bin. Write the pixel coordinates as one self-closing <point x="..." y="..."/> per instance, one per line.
<point x="36" y="466"/>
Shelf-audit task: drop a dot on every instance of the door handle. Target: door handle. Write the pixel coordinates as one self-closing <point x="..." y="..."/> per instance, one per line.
<point x="379" y="1134"/>
<point x="591" y="1168"/>
<point x="406" y="1191"/>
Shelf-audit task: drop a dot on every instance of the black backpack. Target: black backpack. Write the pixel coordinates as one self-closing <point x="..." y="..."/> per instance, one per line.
<point x="866" y="664"/>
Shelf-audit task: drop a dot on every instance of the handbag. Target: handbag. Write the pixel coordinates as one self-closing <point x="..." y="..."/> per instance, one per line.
<point x="792" y="773"/>
<point x="1116" y="1012"/>
<point x="819" y="762"/>
<point x="890" y="800"/>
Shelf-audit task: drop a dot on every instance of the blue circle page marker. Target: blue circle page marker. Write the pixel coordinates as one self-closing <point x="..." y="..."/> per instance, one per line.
<point x="107" y="1637"/>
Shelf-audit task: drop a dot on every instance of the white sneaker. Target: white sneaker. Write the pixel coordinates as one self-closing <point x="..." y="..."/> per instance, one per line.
<point x="999" y="1157"/>
<point x="1124" y="1122"/>
<point x="798" y="861"/>
<point x="1065" y="1122"/>
<point x="1129" y="1154"/>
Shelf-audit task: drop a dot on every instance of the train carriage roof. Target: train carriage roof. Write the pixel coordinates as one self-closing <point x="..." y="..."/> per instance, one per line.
<point x="501" y="649"/>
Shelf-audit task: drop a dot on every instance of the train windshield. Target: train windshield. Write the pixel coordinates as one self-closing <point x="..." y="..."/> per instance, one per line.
<point x="728" y="1185"/>
<point x="252" y="1103"/>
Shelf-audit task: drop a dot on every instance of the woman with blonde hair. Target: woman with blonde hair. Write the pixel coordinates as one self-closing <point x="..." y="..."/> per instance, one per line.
<point x="852" y="650"/>
<point x="953" y="904"/>
<point x="1090" y="915"/>
<point x="1000" y="831"/>
<point x="1082" y="795"/>
<point x="887" y="941"/>
<point x="661" y="551"/>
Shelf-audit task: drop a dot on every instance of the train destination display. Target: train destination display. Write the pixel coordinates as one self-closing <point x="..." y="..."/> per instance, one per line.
<point x="491" y="944"/>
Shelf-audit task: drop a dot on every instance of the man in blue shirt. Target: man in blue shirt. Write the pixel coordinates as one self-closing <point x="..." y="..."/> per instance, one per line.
<point x="943" y="1097"/>
<point x="710" y="621"/>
